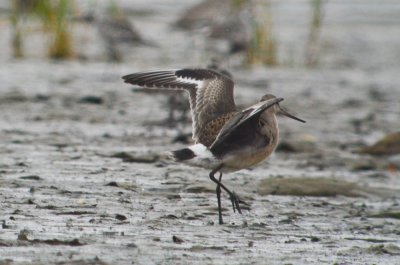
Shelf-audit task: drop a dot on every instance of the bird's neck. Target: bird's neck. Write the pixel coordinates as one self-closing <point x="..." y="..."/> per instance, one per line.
<point x="269" y="126"/>
<point x="269" y="119"/>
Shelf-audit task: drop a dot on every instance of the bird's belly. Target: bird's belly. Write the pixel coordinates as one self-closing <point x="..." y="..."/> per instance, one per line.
<point x="246" y="159"/>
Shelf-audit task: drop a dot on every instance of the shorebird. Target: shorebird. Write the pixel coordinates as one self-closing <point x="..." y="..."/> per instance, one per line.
<point x="224" y="20"/>
<point x="115" y="29"/>
<point x="226" y="139"/>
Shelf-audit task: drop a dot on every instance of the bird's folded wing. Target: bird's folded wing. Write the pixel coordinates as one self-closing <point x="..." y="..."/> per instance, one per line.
<point x="247" y="115"/>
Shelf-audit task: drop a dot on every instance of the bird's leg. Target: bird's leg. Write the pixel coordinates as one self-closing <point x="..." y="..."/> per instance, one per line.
<point x="232" y="196"/>
<point x="235" y="200"/>
<point x="218" y="191"/>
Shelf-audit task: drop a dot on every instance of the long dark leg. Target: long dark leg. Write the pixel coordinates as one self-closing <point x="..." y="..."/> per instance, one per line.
<point x="218" y="191"/>
<point x="232" y="196"/>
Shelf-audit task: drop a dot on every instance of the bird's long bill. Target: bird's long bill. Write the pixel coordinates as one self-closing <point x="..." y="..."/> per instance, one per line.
<point x="284" y="112"/>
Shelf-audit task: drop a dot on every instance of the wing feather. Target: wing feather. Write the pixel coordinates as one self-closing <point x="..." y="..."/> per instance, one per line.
<point x="242" y="118"/>
<point x="210" y="92"/>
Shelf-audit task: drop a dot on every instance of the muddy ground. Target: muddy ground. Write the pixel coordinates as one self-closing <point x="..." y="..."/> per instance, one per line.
<point x="83" y="180"/>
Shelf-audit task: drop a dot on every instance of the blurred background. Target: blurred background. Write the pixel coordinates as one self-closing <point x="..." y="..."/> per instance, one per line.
<point x="241" y="33"/>
<point x="80" y="160"/>
<point x="335" y="61"/>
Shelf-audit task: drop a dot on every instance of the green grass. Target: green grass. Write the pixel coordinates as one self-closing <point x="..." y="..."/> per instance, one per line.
<point x="237" y="4"/>
<point x="54" y="17"/>
<point x="312" y="46"/>
<point x="17" y="38"/>
<point x="262" y="48"/>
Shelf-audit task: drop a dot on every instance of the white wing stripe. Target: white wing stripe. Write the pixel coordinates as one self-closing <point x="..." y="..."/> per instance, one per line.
<point x="198" y="83"/>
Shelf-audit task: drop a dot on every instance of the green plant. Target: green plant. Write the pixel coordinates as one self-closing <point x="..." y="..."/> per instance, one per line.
<point x="262" y="47"/>
<point x="113" y="9"/>
<point x="54" y="17"/>
<point x="237" y="4"/>
<point x="312" y="46"/>
<point x="16" y="42"/>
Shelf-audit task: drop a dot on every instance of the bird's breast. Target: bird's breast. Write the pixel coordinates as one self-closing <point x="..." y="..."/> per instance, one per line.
<point x="247" y="157"/>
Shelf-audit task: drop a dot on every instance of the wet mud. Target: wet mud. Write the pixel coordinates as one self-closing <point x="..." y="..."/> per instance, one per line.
<point x="84" y="179"/>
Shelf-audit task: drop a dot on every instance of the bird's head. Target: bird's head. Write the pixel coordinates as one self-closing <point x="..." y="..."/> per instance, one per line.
<point x="276" y="108"/>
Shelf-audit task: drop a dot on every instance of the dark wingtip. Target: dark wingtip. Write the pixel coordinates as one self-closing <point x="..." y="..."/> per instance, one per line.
<point x="126" y="77"/>
<point x="131" y="79"/>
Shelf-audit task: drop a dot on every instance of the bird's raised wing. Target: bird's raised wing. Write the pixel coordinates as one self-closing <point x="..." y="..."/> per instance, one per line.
<point x="210" y="92"/>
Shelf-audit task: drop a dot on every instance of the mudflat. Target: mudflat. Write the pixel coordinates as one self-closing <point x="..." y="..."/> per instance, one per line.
<point x="83" y="179"/>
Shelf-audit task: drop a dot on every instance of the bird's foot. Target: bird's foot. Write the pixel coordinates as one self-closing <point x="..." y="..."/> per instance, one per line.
<point x="235" y="202"/>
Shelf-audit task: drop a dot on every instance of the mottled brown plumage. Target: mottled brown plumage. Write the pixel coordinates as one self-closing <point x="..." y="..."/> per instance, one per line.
<point x="209" y="132"/>
<point x="226" y="139"/>
<point x="210" y="93"/>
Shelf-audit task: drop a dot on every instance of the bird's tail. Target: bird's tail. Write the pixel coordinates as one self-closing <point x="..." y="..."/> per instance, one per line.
<point x="191" y="152"/>
<point x="182" y="154"/>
